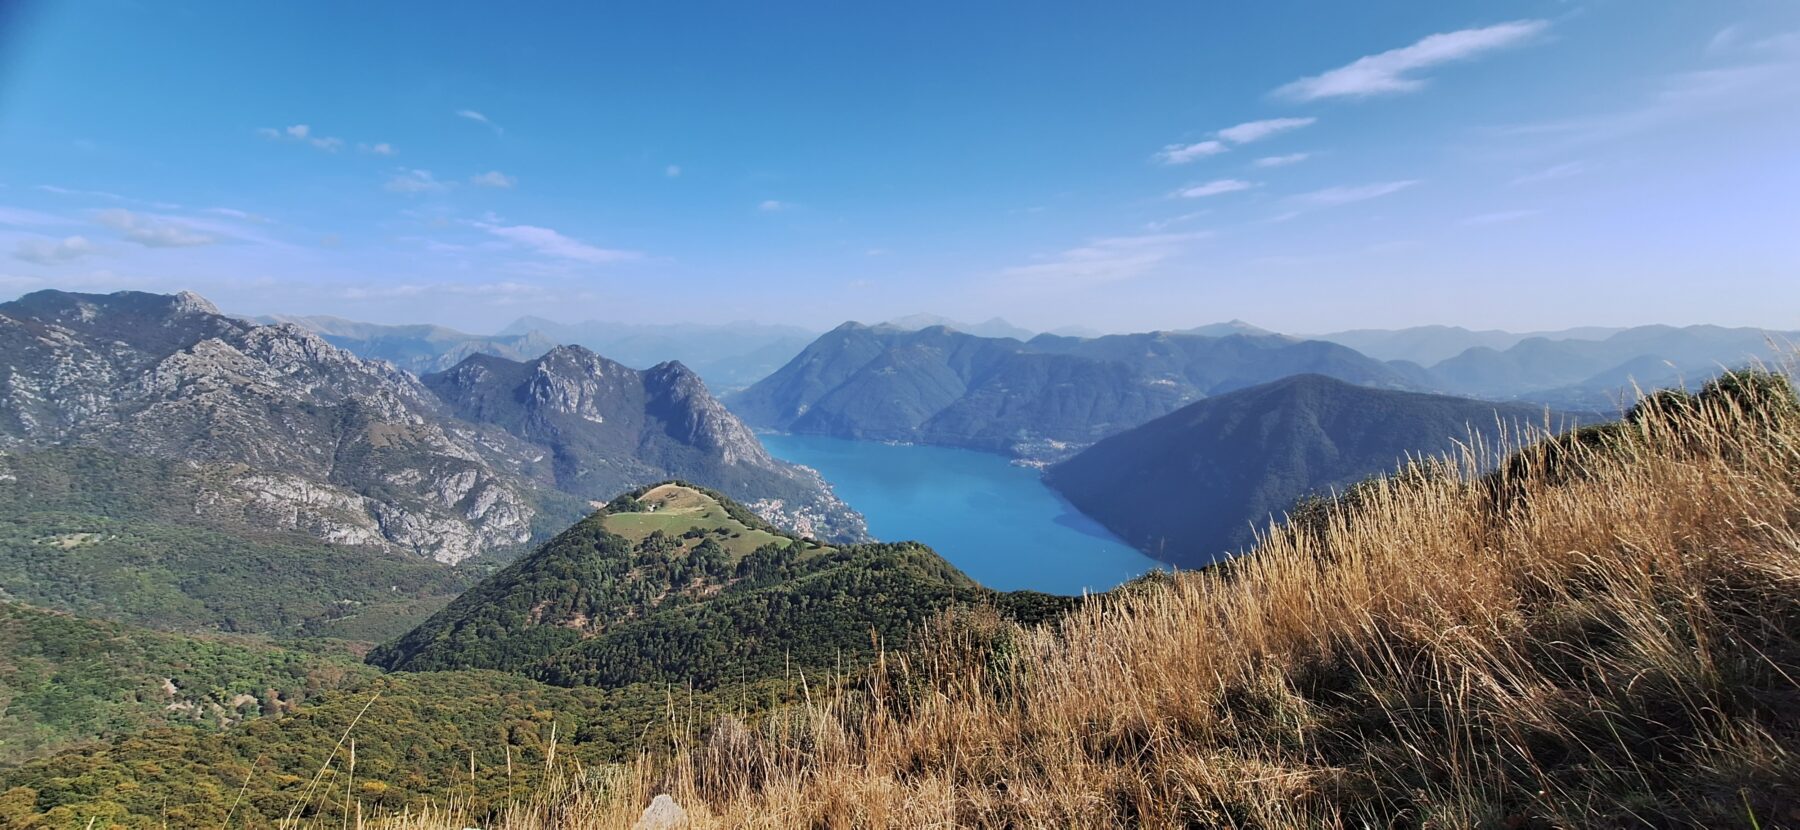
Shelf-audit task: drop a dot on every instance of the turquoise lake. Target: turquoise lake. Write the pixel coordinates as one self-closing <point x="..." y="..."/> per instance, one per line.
<point x="996" y="521"/>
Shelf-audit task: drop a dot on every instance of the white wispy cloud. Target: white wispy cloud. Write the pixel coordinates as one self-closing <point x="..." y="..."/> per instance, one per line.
<point x="1184" y="153"/>
<point x="553" y="244"/>
<point x="242" y="215"/>
<point x="672" y="171"/>
<point x="381" y="149"/>
<point x="1222" y="140"/>
<point x="1344" y="195"/>
<point x="154" y="231"/>
<point x="1552" y="173"/>
<point x="1164" y="224"/>
<point x="1214" y="188"/>
<point x="1258" y="130"/>
<point x="481" y="118"/>
<point x="493" y="178"/>
<point x="1397" y="70"/>
<point x="415" y="181"/>
<point x="773" y="205"/>
<point x="304" y="134"/>
<point x="1743" y="37"/>
<point x="104" y="195"/>
<point x="52" y="251"/>
<point x="1282" y="161"/>
<point x="1499" y="216"/>
<point x="1107" y="259"/>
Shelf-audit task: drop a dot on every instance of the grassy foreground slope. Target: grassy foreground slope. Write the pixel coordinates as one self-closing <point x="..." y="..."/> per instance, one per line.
<point x="1604" y="633"/>
<point x="470" y="737"/>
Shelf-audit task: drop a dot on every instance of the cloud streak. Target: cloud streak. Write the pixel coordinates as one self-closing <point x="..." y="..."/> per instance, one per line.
<point x="1107" y="259"/>
<point x="1222" y="140"/>
<point x="1216" y="187"/>
<point x="414" y="182"/>
<point x="1344" y="195"/>
<point x="1258" y="130"/>
<point x="304" y="134"/>
<point x="1499" y="217"/>
<point x="1281" y="161"/>
<point x="482" y="119"/>
<point x="152" y="231"/>
<point x="553" y="244"/>
<point x="1397" y="70"/>
<point x="53" y="251"/>
<point x="1184" y="153"/>
<point x="493" y="178"/>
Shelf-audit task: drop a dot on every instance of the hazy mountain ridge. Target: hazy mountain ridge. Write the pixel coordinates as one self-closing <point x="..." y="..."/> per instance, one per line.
<point x="1195" y="485"/>
<point x="420" y="348"/>
<point x="992" y="327"/>
<point x="1590" y="367"/>
<point x="727" y="355"/>
<point x="1428" y="345"/>
<point x="1034" y="399"/>
<point x="1607" y="373"/>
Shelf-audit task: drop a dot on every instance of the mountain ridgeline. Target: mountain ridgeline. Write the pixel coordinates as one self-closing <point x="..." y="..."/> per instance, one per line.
<point x="1034" y="398"/>
<point x="1193" y="486"/>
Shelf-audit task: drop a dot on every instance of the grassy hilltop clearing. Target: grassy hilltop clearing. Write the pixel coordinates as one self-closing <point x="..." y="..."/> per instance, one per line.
<point x="676" y="583"/>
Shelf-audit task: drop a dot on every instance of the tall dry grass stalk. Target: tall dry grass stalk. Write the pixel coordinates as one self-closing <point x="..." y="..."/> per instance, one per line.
<point x="1604" y="632"/>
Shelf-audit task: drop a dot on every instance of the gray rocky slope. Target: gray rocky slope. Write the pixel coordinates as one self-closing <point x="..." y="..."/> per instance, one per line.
<point x="302" y="435"/>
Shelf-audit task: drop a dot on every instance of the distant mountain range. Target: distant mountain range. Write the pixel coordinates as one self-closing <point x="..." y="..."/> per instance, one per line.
<point x="1192" y="486"/>
<point x="1032" y="399"/>
<point x="728" y="355"/>
<point x="995" y="327"/>
<point x="1602" y="374"/>
<point x="419" y="349"/>
<point x="1426" y="345"/>
<point x="301" y="435"/>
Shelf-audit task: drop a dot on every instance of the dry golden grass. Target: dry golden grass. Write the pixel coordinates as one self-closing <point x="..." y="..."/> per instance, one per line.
<point x="1605" y="633"/>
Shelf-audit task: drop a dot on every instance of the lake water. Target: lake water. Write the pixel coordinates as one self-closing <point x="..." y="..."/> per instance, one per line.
<point x="996" y="521"/>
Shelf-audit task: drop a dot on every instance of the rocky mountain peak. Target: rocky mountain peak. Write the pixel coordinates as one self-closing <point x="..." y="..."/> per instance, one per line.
<point x="187" y="302"/>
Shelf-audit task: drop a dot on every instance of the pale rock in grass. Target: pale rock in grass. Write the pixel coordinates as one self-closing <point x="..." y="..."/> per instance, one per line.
<point x="662" y="814"/>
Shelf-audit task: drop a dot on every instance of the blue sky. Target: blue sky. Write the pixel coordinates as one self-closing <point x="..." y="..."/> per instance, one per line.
<point x="1305" y="166"/>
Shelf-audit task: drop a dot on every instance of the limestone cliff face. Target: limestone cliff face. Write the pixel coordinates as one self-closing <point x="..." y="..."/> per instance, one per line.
<point x="694" y="417"/>
<point x="350" y="450"/>
<point x="604" y="428"/>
